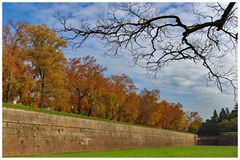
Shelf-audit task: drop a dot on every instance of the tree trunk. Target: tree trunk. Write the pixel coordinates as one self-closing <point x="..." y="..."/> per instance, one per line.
<point x="9" y="89"/>
<point x="78" y="105"/>
<point x="140" y="118"/>
<point x="106" y="114"/>
<point x="112" y="116"/>
<point x="89" y="111"/>
<point x="119" y="113"/>
<point x="80" y="97"/>
<point x="42" y="93"/>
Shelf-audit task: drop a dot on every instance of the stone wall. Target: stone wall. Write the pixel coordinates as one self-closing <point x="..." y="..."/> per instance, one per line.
<point x="29" y="133"/>
<point x="220" y="140"/>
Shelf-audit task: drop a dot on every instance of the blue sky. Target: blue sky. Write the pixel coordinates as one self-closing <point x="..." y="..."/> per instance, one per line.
<point x="179" y="82"/>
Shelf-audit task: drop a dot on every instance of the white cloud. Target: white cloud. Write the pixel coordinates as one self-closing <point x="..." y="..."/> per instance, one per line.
<point x="182" y="81"/>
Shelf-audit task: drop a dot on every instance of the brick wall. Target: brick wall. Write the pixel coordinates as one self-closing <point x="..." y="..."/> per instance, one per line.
<point x="29" y="133"/>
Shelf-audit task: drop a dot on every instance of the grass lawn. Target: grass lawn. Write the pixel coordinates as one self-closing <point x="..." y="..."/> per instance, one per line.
<point x="190" y="151"/>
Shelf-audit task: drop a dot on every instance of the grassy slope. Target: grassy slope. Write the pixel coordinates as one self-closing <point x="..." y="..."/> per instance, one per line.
<point x="42" y="110"/>
<point x="190" y="151"/>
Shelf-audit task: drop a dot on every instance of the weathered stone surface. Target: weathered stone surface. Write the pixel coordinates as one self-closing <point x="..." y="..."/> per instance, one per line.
<point x="29" y="133"/>
<point x="221" y="140"/>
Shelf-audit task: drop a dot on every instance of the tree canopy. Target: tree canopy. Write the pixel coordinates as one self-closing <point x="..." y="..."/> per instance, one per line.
<point x="222" y="122"/>
<point x="36" y="73"/>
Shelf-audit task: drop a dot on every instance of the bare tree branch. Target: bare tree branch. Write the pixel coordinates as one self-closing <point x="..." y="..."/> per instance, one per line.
<point x="157" y="40"/>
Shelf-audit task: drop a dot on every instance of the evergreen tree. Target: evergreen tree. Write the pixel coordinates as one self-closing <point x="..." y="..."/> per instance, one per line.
<point x="214" y="118"/>
<point x="222" y="115"/>
<point x="227" y="114"/>
<point x="234" y="112"/>
<point x="208" y="128"/>
<point x="226" y="122"/>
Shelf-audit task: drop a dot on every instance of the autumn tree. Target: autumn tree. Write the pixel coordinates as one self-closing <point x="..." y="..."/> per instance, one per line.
<point x="44" y="55"/>
<point x="177" y="118"/>
<point x="36" y="73"/>
<point x="100" y="94"/>
<point x="159" y="117"/>
<point x="56" y="93"/>
<point x="148" y="102"/>
<point x="155" y="38"/>
<point x="13" y="58"/>
<point x="169" y="116"/>
<point x="25" y="87"/>
<point x="122" y="87"/>
<point x="83" y="74"/>
<point x="194" y="121"/>
<point x="130" y="109"/>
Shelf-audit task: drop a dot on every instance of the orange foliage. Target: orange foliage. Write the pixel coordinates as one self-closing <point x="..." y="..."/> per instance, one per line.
<point x="36" y="73"/>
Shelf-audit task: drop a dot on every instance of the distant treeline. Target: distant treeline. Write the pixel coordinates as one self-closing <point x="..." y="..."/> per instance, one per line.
<point x="36" y="73"/>
<point x="225" y="121"/>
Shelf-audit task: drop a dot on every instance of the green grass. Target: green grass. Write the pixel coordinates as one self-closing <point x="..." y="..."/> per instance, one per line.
<point x="192" y="151"/>
<point x="47" y="111"/>
<point x="189" y="151"/>
<point x="43" y="110"/>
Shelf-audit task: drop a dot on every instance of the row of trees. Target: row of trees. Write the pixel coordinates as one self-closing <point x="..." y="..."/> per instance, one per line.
<point x="225" y="121"/>
<point x="36" y="73"/>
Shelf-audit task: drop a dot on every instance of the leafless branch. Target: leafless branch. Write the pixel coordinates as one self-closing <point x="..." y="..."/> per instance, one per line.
<point x="157" y="40"/>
